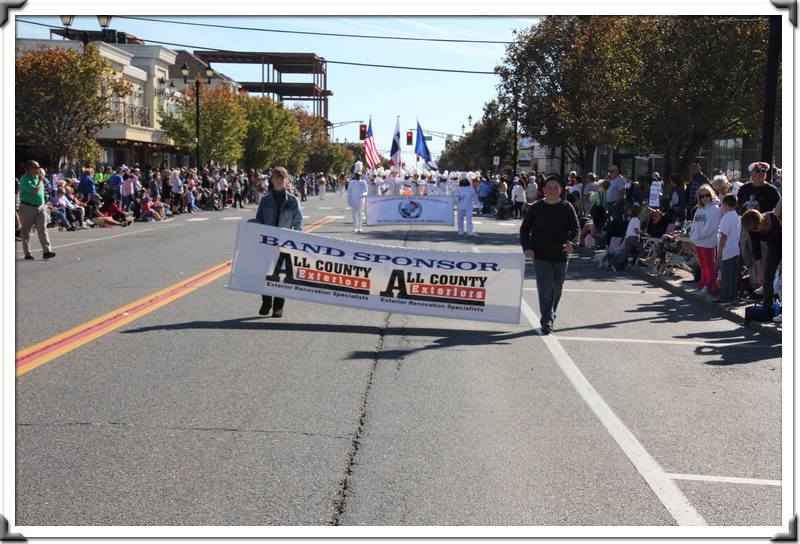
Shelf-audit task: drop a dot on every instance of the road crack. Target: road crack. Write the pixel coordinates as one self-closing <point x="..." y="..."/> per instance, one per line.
<point x="340" y="501"/>
<point x="179" y="428"/>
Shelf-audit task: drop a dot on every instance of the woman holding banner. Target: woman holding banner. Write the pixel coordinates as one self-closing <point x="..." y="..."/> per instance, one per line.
<point x="278" y="209"/>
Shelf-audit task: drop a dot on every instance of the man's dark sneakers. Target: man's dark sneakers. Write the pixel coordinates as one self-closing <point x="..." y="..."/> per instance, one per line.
<point x="546" y="329"/>
<point x="48" y="255"/>
<point x="29" y="257"/>
<point x="265" y="308"/>
<point x="277" y="313"/>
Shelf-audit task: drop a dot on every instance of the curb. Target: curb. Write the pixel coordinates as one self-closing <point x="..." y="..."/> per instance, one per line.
<point x="766" y="330"/>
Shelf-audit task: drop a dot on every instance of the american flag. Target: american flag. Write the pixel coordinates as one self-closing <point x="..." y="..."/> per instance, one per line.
<point x="370" y="149"/>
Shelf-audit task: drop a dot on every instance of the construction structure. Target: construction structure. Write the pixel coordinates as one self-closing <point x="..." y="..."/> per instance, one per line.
<point x="273" y="68"/>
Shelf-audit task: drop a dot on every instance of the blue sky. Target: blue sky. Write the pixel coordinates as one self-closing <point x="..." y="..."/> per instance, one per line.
<point x="441" y="101"/>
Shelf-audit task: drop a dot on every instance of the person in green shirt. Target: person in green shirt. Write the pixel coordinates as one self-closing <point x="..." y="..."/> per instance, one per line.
<point x="33" y="210"/>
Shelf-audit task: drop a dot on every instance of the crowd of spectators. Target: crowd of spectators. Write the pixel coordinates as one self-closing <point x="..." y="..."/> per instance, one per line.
<point x="106" y="196"/>
<point x="728" y="235"/>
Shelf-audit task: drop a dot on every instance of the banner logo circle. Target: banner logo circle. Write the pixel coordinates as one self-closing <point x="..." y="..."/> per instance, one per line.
<point x="410" y="209"/>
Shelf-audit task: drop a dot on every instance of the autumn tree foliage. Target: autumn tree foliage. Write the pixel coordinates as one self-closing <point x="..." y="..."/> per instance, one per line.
<point x="63" y="99"/>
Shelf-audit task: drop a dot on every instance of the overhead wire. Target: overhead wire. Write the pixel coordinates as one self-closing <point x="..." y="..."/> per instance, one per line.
<point x="363" y="64"/>
<point x="309" y="33"/>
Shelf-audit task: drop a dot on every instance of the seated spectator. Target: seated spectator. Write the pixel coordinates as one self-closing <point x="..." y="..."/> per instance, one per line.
<point x="112" y="209"/>
<point x="97" y="217"/>
<point x="58" y="208"/>
<point x="147" y="213"/>
<point x="75" y="210"/>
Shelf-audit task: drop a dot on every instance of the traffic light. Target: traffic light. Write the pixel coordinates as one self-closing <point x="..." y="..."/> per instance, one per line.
<point x="409" y="137"/>
<point x="362" y="131"/>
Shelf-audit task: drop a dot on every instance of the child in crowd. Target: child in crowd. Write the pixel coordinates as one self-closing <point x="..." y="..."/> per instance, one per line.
<point x="634" y="231"/>
<point x="728" y="253"/>
<point x="190" y="207"/>
<point x="503" y="205"/>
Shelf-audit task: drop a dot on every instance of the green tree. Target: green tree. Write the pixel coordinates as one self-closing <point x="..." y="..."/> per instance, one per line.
<point x="63" y="99"/>
<point x="650" y="83"/>
<point x="491" y="136"/>
<point x="271" y="135"/>
<point x="223" y="124"/>
<point x="568" y="83"/>
<point x="700" y="78"/>
<point x="332" y="159"/>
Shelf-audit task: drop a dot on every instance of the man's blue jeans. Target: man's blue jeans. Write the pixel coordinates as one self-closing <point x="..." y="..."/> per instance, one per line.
<point x="549" y="281"/>
<point x="62" y="217"/>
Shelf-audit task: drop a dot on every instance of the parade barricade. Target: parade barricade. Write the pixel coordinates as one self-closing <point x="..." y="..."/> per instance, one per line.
<point x="410" y="210"/>
<point x="451" y="284"/>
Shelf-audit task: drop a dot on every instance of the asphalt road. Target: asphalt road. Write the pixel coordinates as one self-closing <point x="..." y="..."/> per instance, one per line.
<point x="204" y="413"/>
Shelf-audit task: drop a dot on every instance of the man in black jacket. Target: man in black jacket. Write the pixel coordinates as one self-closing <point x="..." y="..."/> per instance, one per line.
<point x="549" y="235"/>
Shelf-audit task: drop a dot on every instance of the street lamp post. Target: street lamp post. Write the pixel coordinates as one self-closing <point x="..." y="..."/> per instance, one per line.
<point x="185" y="73"/>
<point x="67" y="20"/>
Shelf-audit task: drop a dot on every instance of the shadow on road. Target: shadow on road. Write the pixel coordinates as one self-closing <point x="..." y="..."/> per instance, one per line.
<point x="426" y="236"/>
<point x="728" y="348"/>
<point x="445" y="338"/>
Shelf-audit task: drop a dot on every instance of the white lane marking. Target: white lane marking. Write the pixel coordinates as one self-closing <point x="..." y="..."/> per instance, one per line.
<point x="90" y="240"/>
<point x="647" y="341"/>
<point x="665" y="489"/>
<point x="197" y="219"/>
<point x="335" y="216"/>
<point x="325" y="208"/>
<point x="306" y="216"/>
<point x="229" y="218"/>
<point x="477" y="223"/>
<point x="724" y="479"/>
<point x="506" y="225"/>
<point x="604" y="291"/>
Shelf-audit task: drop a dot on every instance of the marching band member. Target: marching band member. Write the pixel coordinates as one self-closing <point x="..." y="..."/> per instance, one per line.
<point x="466" y="198"/>
<point x="356" y="191"/>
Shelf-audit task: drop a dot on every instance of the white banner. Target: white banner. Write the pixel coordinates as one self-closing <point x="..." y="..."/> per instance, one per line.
<point x="452" y="284"/>
<point x="655" y="194"/>
<point x="410" y="210"/>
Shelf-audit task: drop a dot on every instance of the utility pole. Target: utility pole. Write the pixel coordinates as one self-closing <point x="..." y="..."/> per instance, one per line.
<point x="515" y="115"/>
<point x="771" y="91"/>
<point x="197" y="125"/>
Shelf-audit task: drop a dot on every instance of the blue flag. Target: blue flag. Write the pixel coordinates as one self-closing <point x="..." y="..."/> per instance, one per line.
<point x="422" y="146"/>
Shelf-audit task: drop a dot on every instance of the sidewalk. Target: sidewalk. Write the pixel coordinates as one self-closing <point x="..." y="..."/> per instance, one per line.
<point x="679" y="284"/>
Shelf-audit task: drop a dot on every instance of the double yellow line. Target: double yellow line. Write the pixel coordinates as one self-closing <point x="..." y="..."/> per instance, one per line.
<point x="47" y="350"/>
